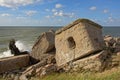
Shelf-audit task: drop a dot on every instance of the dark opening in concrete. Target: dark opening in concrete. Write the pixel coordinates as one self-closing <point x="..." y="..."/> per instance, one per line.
<point x="71" y="43"/>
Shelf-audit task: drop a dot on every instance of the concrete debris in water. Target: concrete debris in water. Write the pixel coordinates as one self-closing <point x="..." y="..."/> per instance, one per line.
<point x="14" y="49"/>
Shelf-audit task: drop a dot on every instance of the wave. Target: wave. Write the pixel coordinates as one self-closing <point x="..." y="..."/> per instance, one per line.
<point x="21" y="45"/>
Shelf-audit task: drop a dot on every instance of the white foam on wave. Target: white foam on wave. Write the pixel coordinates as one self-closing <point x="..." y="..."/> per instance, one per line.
<point x="6" y="54"/>
<point x="20" y="45"/>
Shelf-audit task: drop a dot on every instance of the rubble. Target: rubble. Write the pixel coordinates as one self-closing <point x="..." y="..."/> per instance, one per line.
<point x="78" y="47"/>
<point x="38" y="70"/>
<point x="43" y="52"/>
<point x="113" y="43"/>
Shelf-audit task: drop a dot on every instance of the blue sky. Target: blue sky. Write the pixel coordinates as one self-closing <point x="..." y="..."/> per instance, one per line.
<point x="58" y="12"/>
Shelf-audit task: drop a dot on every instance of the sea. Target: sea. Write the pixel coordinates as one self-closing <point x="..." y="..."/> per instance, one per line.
<point x="26" y="36"/>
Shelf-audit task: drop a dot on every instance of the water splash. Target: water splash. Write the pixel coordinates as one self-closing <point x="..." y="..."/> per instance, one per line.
<point x="20" y="45"/>
<point x="6" y="54"/>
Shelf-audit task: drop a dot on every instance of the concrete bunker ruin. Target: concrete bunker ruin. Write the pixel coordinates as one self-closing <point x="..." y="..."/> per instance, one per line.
<point x="80" y="38"/>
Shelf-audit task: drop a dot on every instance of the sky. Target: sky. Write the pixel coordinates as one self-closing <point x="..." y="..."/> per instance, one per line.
<point x="58" y="12"/>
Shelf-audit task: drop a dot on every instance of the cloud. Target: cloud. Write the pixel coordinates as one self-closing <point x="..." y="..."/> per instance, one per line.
<point x="20" y="17"/>
<point x="17" y="3"/>
<point x="54" y="10"/>
<point x="58" y="6"/>
<point x="95" y="20"/>
<point x="5" y="14"/>
<point x="105" y="11"/>
<point x="93" y="8"/>
<point x="30" y="13"/>
<point x="62" y="14"/>
<point x="19" y="21"/>
<point x="110" y="19"/>
<point x="47" y="16"/>
<point x="57" y="12"/>
<point x="47" y="10"/>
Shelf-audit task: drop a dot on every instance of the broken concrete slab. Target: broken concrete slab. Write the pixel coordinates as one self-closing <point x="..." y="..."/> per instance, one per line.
<point x="96" y="62"/>
<point x="38" y="70"/>
<point x="14" y="63"/>
<point x="44" y="45"/>
<point x="78" y="39"/>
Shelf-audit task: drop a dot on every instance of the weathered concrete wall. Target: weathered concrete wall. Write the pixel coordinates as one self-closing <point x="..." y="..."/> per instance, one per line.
<point x="97" y="62"/>
<point x="81" y="39"/>
<point x="13" y="63"/>
<point x="44" y="45"/>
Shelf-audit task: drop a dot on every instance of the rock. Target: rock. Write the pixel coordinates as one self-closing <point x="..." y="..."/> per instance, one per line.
<point x="117" y="48"/>
<point x="23" y="77"/>
<point x="115" y="60"/>
<point x="49" y="68"/>
<point x="118" y="53"/>
<point x="16" y="77"/>
<point x="78" y="39"/>
<point x="44" y="45"/>
<point x="51" y="30"/>
<point x="13" y="63"/>
<point x="112" y="43"/>
<point x="38" y="70"/>
<point x="107" y="36"/>
<point x="117" y="45"/>
<point x="109" y="40"/>
<point x="94" y="63"/>
<point x="117" y="39"/>
<point x="13" y="48"/>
